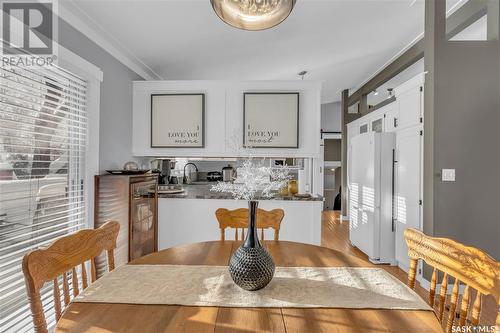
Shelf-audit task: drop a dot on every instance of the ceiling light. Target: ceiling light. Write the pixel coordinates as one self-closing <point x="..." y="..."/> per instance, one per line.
<point x="390" y="92"/>
<point x="375" y="92"/>
<point x="253" y="14"/>
<point x="302" y="74"/>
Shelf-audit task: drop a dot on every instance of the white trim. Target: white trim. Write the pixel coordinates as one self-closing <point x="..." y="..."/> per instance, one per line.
<point x="332" y="136"/>
<point x="68" y="58"/>
<point x="93" y="76"/>
<point x="332" y="164"/>
<point x="75" y="16"/>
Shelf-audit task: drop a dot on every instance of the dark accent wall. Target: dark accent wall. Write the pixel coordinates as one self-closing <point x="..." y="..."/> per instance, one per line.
<point x="332" y="150"/>
<point x="462" y="132"/>
<point x="345" y="118"/>
<point x="115" y="134"/>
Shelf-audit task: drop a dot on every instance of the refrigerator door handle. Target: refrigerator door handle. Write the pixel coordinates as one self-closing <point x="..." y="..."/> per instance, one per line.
<point x="394" y="162"/>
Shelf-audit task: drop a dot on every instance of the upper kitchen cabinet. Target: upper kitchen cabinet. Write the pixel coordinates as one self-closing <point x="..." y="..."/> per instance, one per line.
<point x="391" y="115"/>
<point x="223" y="116"/>
<point x="410" y="99"/>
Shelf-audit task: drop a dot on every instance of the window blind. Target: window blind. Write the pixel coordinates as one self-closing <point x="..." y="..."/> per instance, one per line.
<point x="43" y="127"/>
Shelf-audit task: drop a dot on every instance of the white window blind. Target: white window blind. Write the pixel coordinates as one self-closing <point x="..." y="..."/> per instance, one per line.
<point x="43" y="127"/>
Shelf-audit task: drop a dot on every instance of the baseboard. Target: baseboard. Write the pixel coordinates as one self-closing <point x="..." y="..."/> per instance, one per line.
<point x="382" y="262"/>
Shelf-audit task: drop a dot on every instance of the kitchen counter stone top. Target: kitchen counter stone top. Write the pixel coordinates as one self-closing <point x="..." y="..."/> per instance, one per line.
<point x="202" y="191"/>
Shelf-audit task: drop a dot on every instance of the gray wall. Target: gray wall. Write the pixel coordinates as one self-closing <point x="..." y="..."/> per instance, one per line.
<point x="462" y="118"/>
<point x="332" y="150"/>
<point x="330" y="192"/>
<point x="330" y="117"/>
<point x="115" y="136"/>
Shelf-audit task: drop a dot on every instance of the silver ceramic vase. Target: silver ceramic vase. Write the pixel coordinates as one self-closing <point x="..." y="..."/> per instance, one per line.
<point x="251" y="266"/>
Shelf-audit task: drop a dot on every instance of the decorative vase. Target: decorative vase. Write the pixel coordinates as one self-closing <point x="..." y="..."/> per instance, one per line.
<point x="251" y="266"/>
<point x="293" y="187"/>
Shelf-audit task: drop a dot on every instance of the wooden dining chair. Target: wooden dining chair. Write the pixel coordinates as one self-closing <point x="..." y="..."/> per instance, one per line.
<point x="469" y="266"/>
<point x="238" y="219"/>
<point x="62" y="256"/>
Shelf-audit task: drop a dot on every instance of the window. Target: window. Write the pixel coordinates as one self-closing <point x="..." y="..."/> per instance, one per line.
<point x="363" y="128"/>
<point x="43" y="127"/>
<point x="377" y="125"/>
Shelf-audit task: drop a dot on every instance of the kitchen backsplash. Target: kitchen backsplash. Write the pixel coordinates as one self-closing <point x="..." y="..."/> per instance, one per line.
<point x="205" y="165"/>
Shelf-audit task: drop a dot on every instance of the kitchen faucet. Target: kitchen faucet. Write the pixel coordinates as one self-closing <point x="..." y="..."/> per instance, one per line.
<point x="184" y="179"/>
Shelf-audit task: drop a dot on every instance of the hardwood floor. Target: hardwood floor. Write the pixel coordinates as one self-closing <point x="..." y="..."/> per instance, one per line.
<point x="335" y="235"/>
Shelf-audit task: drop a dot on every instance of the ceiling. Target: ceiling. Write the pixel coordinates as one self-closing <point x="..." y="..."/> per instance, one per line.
<point x="341" y="42"/>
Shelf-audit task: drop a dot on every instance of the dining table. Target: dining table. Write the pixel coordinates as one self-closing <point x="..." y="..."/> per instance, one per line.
<point x="143" y="318"/>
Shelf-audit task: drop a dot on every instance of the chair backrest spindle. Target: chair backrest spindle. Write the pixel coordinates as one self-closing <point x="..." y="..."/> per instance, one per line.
<point x="57" y="299"/>
<point x="61" y="257"/>
<point x="464" y="306"/>
<point x="84" y="276"/>
<point x="432" y="290"/>
<point x="238" y="219"/>
<point x="467" y="265"/>
<point x="442" y="296"/>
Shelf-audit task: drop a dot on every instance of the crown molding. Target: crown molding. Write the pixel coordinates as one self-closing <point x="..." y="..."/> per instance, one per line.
<point x="80" y="20"/>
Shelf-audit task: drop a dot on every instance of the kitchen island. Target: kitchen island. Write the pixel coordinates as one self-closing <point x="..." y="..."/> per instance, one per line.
<point x="189" y="217"/>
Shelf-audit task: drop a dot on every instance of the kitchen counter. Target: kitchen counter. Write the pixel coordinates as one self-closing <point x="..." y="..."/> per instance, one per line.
<point x="202" y="191"/>
<point x="189" y="217"/>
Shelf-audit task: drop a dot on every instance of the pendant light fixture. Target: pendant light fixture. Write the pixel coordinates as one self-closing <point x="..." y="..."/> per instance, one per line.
<point x="253" y="14"/>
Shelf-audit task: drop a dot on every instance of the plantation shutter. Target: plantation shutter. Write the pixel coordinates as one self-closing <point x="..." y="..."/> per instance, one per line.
<point x="43" y="127"/>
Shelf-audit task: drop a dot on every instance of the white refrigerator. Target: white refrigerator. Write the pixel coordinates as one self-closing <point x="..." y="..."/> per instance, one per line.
<point x="370" y="181"/>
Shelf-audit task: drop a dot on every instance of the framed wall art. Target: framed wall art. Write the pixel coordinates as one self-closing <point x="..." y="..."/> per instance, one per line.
<point x="178" y="120"/>
<point x="271" y="120"/>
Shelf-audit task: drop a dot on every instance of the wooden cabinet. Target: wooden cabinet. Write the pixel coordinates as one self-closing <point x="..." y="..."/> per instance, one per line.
<point x="143" y="219"/>
<point x="132" y="201"/>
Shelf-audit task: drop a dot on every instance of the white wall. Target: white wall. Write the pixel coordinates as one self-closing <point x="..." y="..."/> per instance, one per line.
<point x="224" y="116"/>
<point x="330" y="117"/>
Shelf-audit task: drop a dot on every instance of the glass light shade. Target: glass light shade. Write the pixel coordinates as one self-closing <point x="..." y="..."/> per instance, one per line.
<point x="253" y="14"/>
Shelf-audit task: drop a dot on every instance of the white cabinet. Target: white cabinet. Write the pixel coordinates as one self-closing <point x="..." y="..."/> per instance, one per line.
<point x="352" y="131"/>
<point x="391" y="114"/>
<point x="407" y="207"/>
<point x="224" y="117"/>
<point x="409" y="96"/>
<point x="404" y="117"/>
<point x="409" y="108"/>
<point x="179" y="223"/>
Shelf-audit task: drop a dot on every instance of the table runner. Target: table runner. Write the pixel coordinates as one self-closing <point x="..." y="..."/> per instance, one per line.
<point x="297" y="287"/>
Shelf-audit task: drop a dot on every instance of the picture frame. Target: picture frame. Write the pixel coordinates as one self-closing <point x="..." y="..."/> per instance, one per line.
<point x="271" y="119"/>
<point x="178" y="120"/>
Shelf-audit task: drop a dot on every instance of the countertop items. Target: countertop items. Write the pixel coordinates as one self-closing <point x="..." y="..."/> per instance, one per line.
<point x="170" y="189"/>
<point x="127" y="172"/>
<point x="203" y="192"/>
<point x="131" y="165"/>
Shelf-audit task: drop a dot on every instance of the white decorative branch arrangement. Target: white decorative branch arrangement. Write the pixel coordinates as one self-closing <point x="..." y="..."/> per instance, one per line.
<point x="254" y="179"/>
